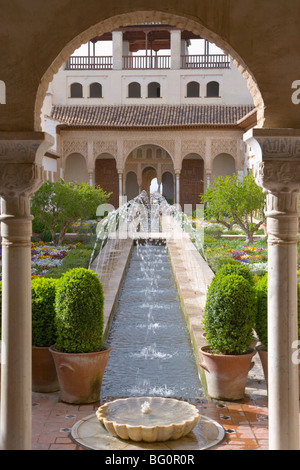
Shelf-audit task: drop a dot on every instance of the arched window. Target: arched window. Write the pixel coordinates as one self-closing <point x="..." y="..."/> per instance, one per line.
<point x="193" y="90"/>
<point x="212" y="90"/>
<point x="76" y="90"/>
<point x="154" y="90"/>
<point x="95" y="90"/>
<point x="134" y="90"/>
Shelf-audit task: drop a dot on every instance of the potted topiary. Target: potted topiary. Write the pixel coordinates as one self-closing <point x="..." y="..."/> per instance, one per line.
<point x="79" y="353"/>
<point x="229" y="319"/>
<point x="261" y="321"/>
<point x="44" y="377"/>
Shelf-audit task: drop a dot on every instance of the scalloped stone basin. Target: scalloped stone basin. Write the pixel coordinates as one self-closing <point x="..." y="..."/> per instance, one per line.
<point x="148" y="419"/>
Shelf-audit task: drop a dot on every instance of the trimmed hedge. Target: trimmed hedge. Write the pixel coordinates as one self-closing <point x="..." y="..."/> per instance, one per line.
<point x="236" y="269"/>
<point x="43" y="312"/>
<point x="261" y="321"/>
<point x="229" y="317"/>
<point x="79" y="312"/>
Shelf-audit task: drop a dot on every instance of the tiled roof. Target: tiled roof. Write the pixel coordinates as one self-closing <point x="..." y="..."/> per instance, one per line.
<point x="125" y="116"/>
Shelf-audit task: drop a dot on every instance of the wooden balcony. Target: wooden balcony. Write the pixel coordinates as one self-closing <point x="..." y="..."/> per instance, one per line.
<point x="204" y="61"/>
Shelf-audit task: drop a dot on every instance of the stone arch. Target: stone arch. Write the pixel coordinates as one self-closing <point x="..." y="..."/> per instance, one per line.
<point x="166" y="145"/>
<point x="223" y="164"/>
<point x="76" y="169"/>
<point x="148" y="174"/>
<point x="137" y="17"/>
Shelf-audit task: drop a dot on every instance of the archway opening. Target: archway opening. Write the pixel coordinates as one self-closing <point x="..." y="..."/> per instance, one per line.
<point x="76" y="169"/>
<point x="106" y="176"/>
<point x="223" y="165"/>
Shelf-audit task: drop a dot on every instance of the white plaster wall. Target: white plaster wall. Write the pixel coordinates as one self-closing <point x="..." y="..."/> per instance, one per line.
<point x="233" y="88"/>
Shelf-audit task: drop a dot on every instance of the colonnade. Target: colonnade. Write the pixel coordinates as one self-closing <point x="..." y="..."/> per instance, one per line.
<point x="277" y="170"/>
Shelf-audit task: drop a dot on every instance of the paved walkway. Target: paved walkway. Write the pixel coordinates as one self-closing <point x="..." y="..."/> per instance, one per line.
<point x="245" y="423"/>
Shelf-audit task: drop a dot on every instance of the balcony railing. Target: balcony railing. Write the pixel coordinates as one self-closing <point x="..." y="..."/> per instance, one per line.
<point x="146" y="62"/>
<point x="89" y="62"/>
<point x="204" y="61"/>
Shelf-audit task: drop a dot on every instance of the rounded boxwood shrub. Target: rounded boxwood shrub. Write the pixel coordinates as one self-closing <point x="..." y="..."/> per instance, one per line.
<point x="229" y="316"/>
<point x="79" y="312"/>
<point x="236" y="269"/>
<point x="43" y="312"/>
<point x="261" y="321"/>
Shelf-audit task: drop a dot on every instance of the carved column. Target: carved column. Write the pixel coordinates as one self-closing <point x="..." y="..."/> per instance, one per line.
<point x="278" y="171"/>
<point x="177" y="187"/>
<point x="20" y="176"/>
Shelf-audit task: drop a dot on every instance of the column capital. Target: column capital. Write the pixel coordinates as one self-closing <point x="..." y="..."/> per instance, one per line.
<point x="21" y="171"/>
<point x="277" y="158"/>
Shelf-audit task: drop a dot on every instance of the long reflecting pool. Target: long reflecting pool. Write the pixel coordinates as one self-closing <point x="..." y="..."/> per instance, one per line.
<point x="152" y="352"/>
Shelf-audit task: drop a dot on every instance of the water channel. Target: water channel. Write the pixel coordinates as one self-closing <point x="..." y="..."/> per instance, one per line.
<point x="152" y="352"/>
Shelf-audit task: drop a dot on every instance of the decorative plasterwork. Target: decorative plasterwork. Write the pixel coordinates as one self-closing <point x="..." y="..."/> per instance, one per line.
<point x="193" y="146"/>
<point x="75" y="146"/>
<point x="102" y="146"/>
<point x="219" y="146"/>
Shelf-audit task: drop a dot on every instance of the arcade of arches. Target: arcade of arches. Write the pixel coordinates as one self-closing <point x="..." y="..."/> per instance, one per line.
<point x="262" y="40"/>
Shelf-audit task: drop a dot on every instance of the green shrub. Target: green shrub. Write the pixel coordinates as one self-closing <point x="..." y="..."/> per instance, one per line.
<point x="78" y="258"/>
<point x="43" y="312"/>
<point x="261" y="321"/>
<point x="229" y="317"/>
<point x="233" y="268"/>
<point x="79" y="312"/>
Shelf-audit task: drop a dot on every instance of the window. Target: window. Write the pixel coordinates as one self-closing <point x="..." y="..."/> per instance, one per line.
<point x="193" y="90"/>
<point x="134" y="90"/>
<point x="76" y="90"/>
<point x="212" y="90"/>
<point x="95" y="90"/>
<point x="154" y="90"/>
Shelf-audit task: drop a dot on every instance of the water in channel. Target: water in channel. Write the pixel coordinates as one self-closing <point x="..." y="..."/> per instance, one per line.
<point x="152" y="353"/>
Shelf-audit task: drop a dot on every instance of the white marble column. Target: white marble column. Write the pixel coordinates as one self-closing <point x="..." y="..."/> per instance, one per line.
<point x="117" y="43"/>
<point x="20" y="176"/>
<point x="277" y="170"/>
<point x="177" y="186"/>
<point x="175" y="48"/>
<point x="120" y="188"/>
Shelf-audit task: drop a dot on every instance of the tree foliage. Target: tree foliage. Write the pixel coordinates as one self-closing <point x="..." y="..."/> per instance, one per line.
<point x="59" y="205"/>
<point x="233" y="200"/>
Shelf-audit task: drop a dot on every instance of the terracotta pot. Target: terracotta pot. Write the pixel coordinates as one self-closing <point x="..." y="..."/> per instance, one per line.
<point x="263" y="355"/>
<point x="44" y="376"/>
<point x="80" y="375"/>
<point x="226" y="375"/>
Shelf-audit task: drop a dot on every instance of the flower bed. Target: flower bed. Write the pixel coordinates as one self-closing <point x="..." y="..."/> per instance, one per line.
<point x="45" y="256"/>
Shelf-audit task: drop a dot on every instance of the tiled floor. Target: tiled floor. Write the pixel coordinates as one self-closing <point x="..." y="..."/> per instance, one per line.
<point x="245" y="423"/>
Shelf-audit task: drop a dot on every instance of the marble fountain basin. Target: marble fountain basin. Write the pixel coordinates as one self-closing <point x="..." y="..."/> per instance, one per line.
<point x="148" y="419"/>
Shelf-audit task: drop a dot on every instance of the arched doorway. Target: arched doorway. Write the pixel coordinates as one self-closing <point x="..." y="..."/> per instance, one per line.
<point x="76" y="169"/>
<point x="223" y="165"/>
<point x="131" y="186"/>
<point x="168" y="187"/>
<point x="148" y="175"/>
<point x="191" y="180"/>
<point x="106" y="176"/>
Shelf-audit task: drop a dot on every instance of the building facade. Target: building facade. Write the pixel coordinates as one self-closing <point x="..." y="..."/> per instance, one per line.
<point x="121" y="121"/>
